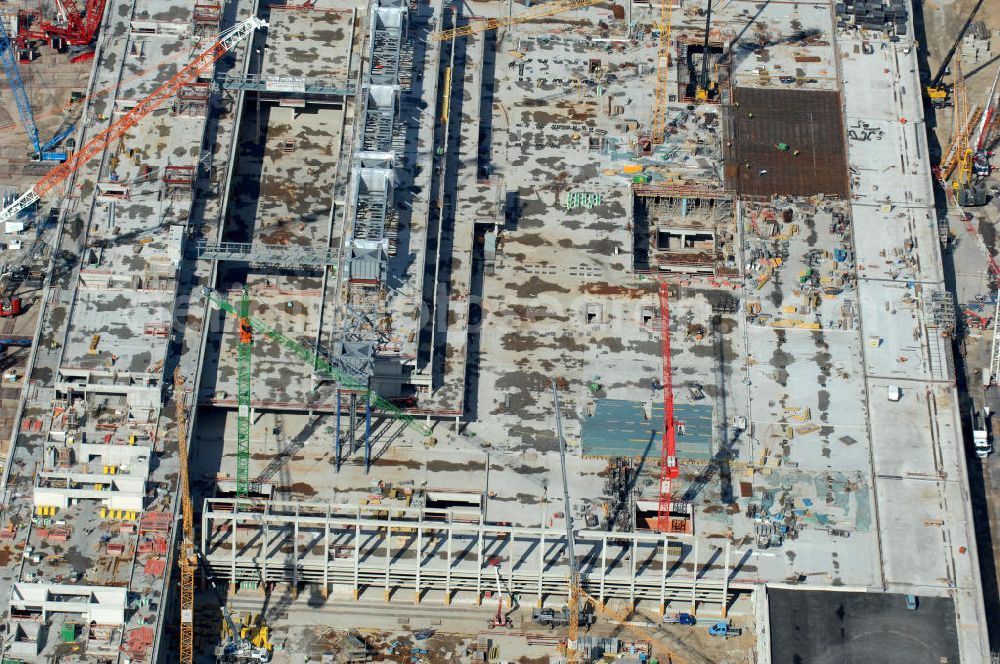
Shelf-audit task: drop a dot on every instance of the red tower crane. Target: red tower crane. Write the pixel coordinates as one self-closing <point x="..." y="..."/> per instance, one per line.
<point x="226" y="41"/>
<point x="669" y="470"/>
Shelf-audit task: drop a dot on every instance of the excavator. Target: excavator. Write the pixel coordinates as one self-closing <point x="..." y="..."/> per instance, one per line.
<point x="939" y="93"/>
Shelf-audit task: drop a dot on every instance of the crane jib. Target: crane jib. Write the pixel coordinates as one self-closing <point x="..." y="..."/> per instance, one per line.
<point x="96" y="145"/>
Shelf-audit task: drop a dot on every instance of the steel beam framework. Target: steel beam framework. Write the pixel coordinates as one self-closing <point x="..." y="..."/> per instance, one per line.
<point x="282" y="85"/>
<point x="372" y="221"/>
<point x="272" y="255"/>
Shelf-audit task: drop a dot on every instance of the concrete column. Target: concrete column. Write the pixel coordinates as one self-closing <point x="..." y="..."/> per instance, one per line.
<point x="447" y="573"/>
<point x="458" y="422"/>
<point x="694" y="581"/>
<point x="232" y="555"/>
<point x="326" y="554"/>
<point x="264" y="549"/>
<point x="663" y="576"/>
<point x="357" y="550"/>
<point x="541" y="565"/>
<point x="725" y="582"/>
<point x="479" y="568"/>
<point x="420" y="557"/>
<point x="295" y="555"/>
<point x="631" y="587"/>
<point x="510" y="578"/>
<point x="388" y="552"/>
<point x="604" y="566"/>
<point x="368" y="434"/>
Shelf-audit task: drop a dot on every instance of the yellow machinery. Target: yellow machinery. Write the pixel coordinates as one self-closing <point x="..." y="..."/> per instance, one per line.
<point x="662" y="73"/>
<point x="938" y="93"/>
<point x="446" y="102"/>
<point x="938" y="96"/>
<point x="706" y="89"/>
<point x="621" y="618"/>
<point x="575" y="591"/>
<point x="188" y="559"/>
<point x="957" y="161"/>
<point x="548" y="9"/>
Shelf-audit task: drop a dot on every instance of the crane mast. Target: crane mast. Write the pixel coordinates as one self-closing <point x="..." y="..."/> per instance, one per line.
<point x="318" y="363"/>
<point x="188" y="559"/>
<point x="548" y="9"/>
<point x="226" y="41"/>
<point x="659" y="131"/>
<point x="244" y="353"/>
<point x="704" y="90"/>
<point x="669" y="470"/>
<point x="574" y="571"/>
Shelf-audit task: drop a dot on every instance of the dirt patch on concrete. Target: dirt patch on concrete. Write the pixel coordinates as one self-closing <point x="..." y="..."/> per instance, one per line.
<point x="603" y="288"/>
<point x="302" y="489"/>
<point x="536" y="286"/>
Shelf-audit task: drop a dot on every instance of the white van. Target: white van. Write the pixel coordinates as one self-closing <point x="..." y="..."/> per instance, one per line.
<point x="980" y="436"/>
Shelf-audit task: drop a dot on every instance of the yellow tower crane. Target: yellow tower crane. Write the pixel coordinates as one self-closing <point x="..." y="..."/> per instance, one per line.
<point x="548" y="9"/>
<point x="188" y="559"/>
<point x="576" y="592"/>
<point x="662" y="72"/>
<point x="574" y="572"/>
<point x="956" y="163"/>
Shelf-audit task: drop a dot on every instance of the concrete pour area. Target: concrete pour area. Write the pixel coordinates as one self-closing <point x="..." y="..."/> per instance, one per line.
<point x="768" y="330"/>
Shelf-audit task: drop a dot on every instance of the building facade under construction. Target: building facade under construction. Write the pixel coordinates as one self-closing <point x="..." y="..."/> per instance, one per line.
<point x="637" y="305"/>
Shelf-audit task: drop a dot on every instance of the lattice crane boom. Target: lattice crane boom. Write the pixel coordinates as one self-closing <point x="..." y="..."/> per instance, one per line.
<point x="243" y="379"/>
<point x="548" y="9"/>
<point x="188" y="559"/>
<point x="9" y="61"/>
<point x="659" y="129"/>
<point x="965" y="122"/>
<point x="989" y="116"/>
<point x="79" y="30"/>
<point x="574" y="571"/>
<point x="669" y="470"/>
<point x="320" y="364"/>
<point x="117" y="129"/>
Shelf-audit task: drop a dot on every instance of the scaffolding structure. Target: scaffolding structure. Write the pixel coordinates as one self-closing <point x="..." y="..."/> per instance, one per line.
<point x="681" y="230"/>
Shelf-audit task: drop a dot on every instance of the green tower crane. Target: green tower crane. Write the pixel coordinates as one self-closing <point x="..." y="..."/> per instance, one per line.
<point x="244" y="353"/>
<point x="345" y="383"/>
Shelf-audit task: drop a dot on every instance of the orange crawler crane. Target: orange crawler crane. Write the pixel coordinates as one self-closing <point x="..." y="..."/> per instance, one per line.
<point x="225" y="43"/>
